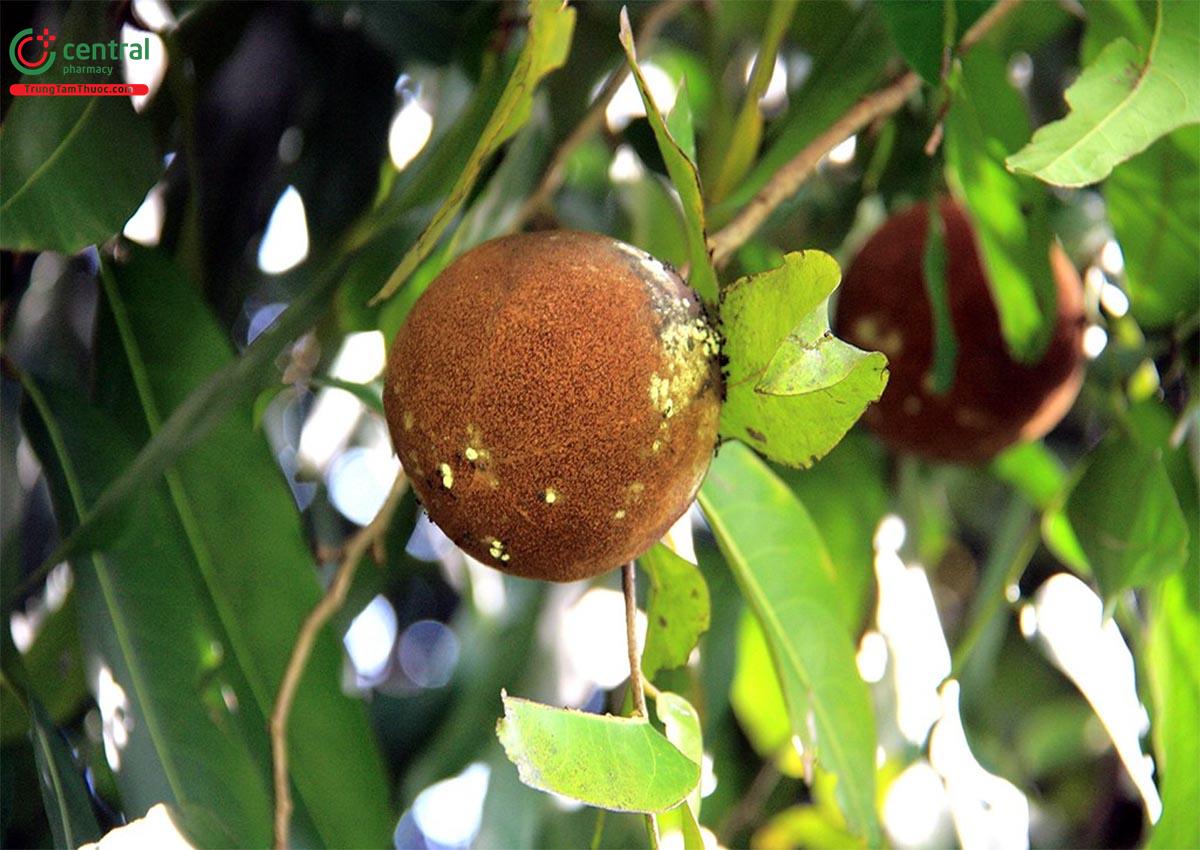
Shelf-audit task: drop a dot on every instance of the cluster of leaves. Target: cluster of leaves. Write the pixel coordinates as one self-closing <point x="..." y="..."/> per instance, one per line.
<point x="192" y="566"/>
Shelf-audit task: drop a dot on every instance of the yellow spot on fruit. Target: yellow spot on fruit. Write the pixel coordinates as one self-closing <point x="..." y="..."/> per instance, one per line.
<point x="447" y="474"/>
<point x="549" y="496"/>
<point x="408" y="420"/>
<point x="619" y="515"/>
<point x="471" y="454"/>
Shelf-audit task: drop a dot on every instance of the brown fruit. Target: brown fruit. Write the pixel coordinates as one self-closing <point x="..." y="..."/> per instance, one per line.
<point x="554" y="399"/>
<point x="993" y="401"/>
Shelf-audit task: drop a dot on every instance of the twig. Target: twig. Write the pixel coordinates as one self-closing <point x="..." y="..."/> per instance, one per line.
<point x="555" y="173"/>
<point x="330" y="603"/>
<point x="985" y="23"/>
<point x="785" y="182"/>
<point x="628" y="579"/>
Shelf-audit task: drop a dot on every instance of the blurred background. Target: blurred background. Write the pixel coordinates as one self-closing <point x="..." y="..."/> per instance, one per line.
<point x="270" y="131"/>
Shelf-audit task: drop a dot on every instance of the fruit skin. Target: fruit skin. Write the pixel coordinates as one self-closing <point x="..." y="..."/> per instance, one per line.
<point x="554" y="398"/>
<point x="993" y="401"/>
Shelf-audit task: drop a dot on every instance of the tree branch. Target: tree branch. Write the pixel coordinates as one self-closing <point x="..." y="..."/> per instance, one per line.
<point x="555" y="172"/>
<point x="785" y="182"/>
<point x="356" y="547"/>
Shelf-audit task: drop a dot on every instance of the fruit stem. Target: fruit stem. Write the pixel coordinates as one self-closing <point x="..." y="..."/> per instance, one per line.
<point x="628" y="581"/>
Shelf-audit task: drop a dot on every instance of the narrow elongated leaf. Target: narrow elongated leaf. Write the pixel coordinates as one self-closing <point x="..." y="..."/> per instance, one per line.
<point x="234" y="383"/>
<point x="244" y="539"/>
<point x="67" y="804"/>
<point x="856" y="51"/>
<point x="72" y="169"/>
<point x="1122" y="103"/>
<point x="1127" y="517"/>
<point x="678" y="613"/>
<point x="792" y="389"/>
<point x="550" y="26"/>
<point x="785" y="574"/>
<point x="176" y="739"/>
<point x="618" y="763"/>
<point x="986" y="121"/>
<point x="702" y="277"/>
<point x="746" y="132"/>
<point x="1173" y="659"/>
<point x="933" y="269"/>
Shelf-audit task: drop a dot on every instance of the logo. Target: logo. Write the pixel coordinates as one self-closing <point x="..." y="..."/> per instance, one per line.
<point x="32" y="54"/>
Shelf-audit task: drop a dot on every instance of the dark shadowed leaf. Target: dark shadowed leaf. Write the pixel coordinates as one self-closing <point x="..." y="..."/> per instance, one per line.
<point x="153" y="641"/>
<point x="1154" y="205"/>
<point x="72" y="169"/>
<point x="618" y="763"/>
<point x="67" y="804"/>
<point x="1121" y="103"/>
<point x="792" y="388"/>
<point x="786" y="576"/>
<point x="1127" y="517"/>
<point x="244" y="537"/>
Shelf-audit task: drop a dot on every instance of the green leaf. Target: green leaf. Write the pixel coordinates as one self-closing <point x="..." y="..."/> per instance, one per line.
<point x="67" y="804"/>
<point x="243" y="536"/>
<point x="803" y="826"/>
<point x="617" y="763"/>
<point x="681" y="122"/>
<point x="678" y="612"/>
<point x="986" y="121"/>
<point x="1033" y="471"/>
<point x="746" y="132"/>
<point x="917" y="27"/>
<point x="756" y="696"/>
<point x="551" y="23"/>
<point x="72" y="169"/>
<point x="185" y="747"/>
<point x="847" y="494"/>
<point x="1173" y="659"/>
<point x="933" y="269"/>
<point x="702" y="278"/>
<point x="1121" y="103"/>
<point x="780" y="563"/>
<point x="1127" y="517"/>
<point x="1154" y="206"/>
<point x="853" y="52"/>
<point x="681" y="722"/>
<point x="776" y="329"/>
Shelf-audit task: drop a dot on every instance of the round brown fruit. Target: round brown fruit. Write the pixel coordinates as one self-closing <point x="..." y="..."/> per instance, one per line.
<point x="993" y="401"/>
<point x="554" y="399"/>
